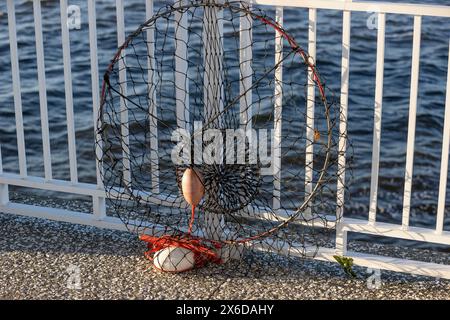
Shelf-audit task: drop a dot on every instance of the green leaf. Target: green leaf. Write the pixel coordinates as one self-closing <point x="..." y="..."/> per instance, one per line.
<point x="346" y="264"/>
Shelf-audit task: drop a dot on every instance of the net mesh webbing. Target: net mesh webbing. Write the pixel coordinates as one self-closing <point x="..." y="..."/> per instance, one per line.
<point x="225" y="91"/>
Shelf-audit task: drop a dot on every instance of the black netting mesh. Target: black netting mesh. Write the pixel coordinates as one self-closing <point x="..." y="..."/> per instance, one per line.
<point x="203" y="92"/>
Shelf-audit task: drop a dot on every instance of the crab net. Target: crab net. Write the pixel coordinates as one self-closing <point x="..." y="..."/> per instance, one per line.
<point x="220" y="93"/>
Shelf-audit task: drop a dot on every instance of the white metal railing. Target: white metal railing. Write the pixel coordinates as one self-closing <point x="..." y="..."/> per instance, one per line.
<point x="95" y="191"/>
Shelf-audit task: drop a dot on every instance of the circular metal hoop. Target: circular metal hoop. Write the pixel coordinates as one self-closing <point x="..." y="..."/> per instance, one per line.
<point x="295" y="52"/>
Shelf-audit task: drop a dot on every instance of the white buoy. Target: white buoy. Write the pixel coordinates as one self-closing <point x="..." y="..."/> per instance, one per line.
<point x="174" y="259"/>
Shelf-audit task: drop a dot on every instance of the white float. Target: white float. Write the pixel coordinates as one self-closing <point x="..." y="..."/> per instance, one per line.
<point x="174" y="259"/>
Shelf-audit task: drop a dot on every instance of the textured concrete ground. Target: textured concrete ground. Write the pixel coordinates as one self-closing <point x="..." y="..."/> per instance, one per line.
<point x="38" y="256"/>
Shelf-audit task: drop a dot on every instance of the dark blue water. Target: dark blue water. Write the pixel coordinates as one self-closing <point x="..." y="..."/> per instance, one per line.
<point x="430" y="118"/>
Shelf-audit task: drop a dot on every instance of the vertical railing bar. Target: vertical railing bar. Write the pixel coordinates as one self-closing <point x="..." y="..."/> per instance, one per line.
<point x="98" y="203"/>
<point x="213" y="94"/>
<point x="42" y="89"/>
<point x="444" y="157"/>
<point x="181" y="69"/>
<point x="377" y="118"/>
<point x="1" y="160"/>
<point x="278" y="112"/>
<point x="154" y="162"/>
<point x="246" y="74"/>
<point x="245" y="64"/>
<point x="309" y="148"/>
<point x="212" y="80"/>
<point x="123" y="87"/>
<point x="93" y="49"/>
<point x="4" y="194"/>
<point x="412" y="121"/>
<point x="68" y="93"/>
<point x="16" y="88"/>
<point x="341" y="236"/>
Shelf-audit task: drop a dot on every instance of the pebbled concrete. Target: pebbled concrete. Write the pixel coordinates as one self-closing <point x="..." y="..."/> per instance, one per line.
<point x="37" y="256"/>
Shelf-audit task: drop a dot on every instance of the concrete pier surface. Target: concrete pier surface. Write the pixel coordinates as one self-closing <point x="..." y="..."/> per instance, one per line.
<point x="42" y="259"/>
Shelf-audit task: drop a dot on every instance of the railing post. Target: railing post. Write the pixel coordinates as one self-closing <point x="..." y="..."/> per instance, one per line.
<point x="153" y="110"/>
<point x="444" y="157"/>
<point x="98" y="203"/>
<point x="99" y="207"/>
<point x="213" y="93"/>
<point x="411" y="122"/>
<point x="4" y="194"/>
<point x="278" y="108"/>
<point x="310" y="106"/>
<point x="68" y="93"/>
<point x="16" y="88"/>
<point x="124" y="128"/>
<point x="245" y="66"/>
<point x="379" y="79"/>
<point x="181" y="69"/>
<point x="42" y="89"/>
<point x="341" y="235"/>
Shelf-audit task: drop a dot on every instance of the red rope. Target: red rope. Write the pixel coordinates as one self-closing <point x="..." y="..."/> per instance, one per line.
<point x="203" y="253"/>
<point x="204" y="250"/>
<point x="299" y="50"/>
<point x="191" y="223"/>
